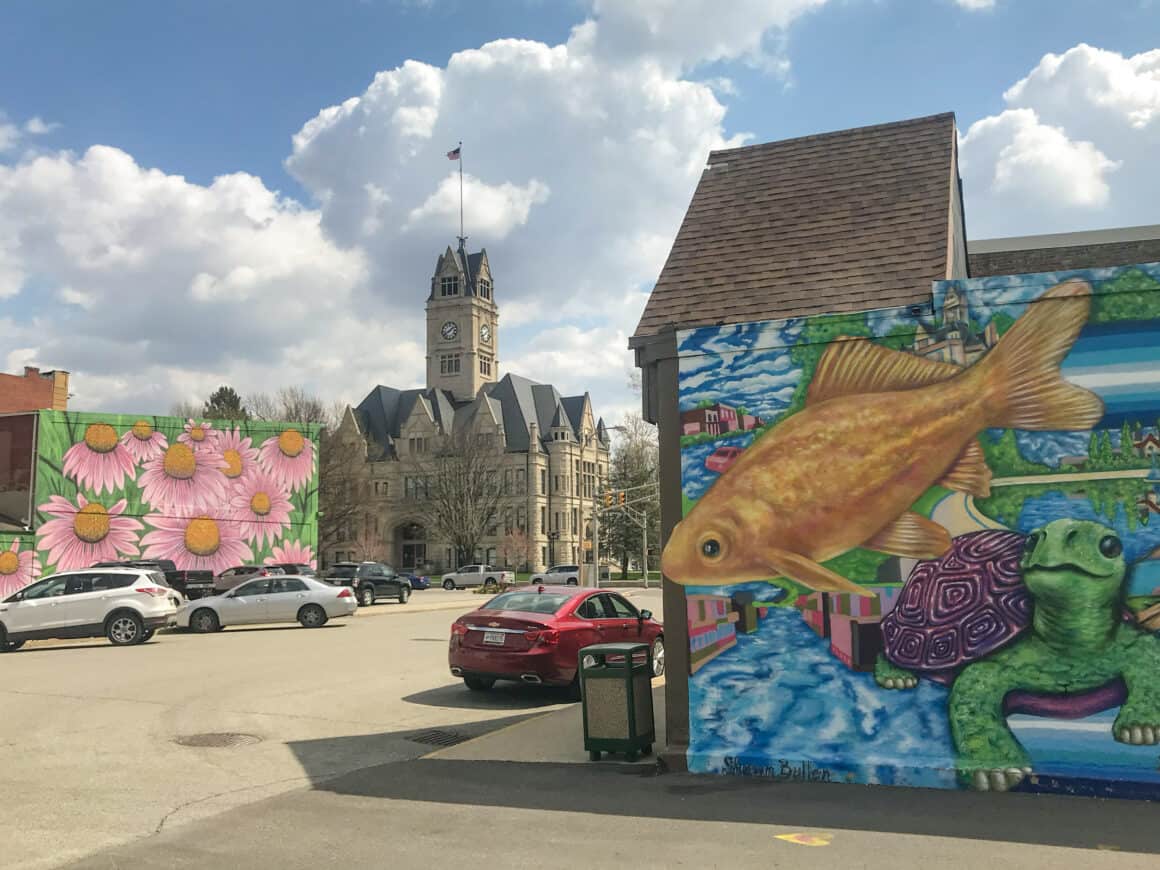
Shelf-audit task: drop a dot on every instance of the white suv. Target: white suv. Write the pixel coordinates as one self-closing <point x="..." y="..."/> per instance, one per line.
<point x="125" y="605"/>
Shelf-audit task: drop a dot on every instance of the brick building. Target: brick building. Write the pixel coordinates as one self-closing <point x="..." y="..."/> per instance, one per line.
<point x="33" y="391"/>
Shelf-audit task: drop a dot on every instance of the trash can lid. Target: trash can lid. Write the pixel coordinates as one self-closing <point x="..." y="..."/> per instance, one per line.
<point x="615" y="649"/>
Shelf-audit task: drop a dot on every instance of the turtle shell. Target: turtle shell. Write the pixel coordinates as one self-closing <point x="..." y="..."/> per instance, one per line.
<point x="956" y="609"/>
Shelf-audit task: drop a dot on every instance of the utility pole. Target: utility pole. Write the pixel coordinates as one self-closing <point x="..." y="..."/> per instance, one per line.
<point x="596" y="543"/>
<point x="644" y="548"/>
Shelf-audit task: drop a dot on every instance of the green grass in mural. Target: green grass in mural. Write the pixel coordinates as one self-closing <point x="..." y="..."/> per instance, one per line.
<point x="1105" y="496"/>
<point x="926" y="503"/>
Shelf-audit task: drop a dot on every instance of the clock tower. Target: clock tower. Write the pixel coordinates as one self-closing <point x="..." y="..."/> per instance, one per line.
<point x="462" y="321"/>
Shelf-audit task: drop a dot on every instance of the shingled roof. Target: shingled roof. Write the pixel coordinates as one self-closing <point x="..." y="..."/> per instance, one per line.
<point x="1059" y="252"/>
<point x="844" y="221"/>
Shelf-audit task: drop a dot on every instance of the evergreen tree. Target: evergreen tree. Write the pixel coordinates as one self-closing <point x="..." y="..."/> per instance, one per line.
<point x="225" y="404"/>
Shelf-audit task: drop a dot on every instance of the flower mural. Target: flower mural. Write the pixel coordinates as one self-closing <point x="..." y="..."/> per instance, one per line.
<point x="99" y="461"/>
<point x="18" y="568"/>
<point x="203" y="494"/>
<point x="196" y="541"/>
<point x="261" y="507"/>
<point x="144" y="442"/>
<point x="289" y="456"/>
<point x="183" y="477"/>
<point x="292" y="553"/>
<point x="86" y="532"/>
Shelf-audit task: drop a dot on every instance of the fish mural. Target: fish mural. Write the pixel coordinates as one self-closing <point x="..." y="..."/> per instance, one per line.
<point x="880" y="427"/>
<point x="870" y="588"/>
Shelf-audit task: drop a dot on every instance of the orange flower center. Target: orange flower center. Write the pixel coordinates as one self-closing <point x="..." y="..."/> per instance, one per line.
<point x="260" y="504"/>
<point x="142" y="430"/>
<point x="91" y="523"/>
<point x="101" y="437"/>
<point x="233" y="463"/>
<point x="202" y="537"/>
<point x="197" y="433"/>
<point x="291" y="443"/>
<point x="180" y="462"/>
<point x="9" y="562"/>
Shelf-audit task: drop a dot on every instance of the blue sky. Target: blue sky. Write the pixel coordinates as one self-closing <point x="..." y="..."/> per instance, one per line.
<point x="582" y="146"/>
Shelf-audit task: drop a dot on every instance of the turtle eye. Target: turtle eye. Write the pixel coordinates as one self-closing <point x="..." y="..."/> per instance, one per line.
<point x="1110" y="546"/>
<point x="711" y="548"/>
<point x="1032" y="542"/>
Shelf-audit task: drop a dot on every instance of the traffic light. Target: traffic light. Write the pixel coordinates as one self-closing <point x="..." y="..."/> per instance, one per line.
<point x="622" y="497"/>
<point x="607" y="498"/>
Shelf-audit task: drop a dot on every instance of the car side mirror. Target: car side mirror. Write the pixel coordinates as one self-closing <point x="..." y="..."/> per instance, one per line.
<point x="645" y="614"/>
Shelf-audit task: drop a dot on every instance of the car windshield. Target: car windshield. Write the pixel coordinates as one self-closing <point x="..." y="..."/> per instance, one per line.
<point x="529" y="602"/>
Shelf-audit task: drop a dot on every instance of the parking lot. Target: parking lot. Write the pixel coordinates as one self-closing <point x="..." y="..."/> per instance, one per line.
<point x="91" y="743"/>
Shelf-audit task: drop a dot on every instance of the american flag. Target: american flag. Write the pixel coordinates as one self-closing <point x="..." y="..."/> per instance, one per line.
<point x="453" y="155"/>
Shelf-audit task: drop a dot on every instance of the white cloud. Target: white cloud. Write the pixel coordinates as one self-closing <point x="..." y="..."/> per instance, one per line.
<point x="37" y="126"/>
<point x="9" y="135"/>
<point x="975" y="5"/>
<point x="1074" y="149"/>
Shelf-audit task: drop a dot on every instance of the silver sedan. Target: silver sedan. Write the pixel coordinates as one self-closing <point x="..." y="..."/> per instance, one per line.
<point x="269" y="599"/>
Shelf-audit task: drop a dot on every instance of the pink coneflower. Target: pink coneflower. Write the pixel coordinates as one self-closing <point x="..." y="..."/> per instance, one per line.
<point x="87" y="532"/>
<point x="182" y="477"/>
<point x="196" y="542"/>
<point x="240" y="455"/>
<point x="261" y="507"/>
<point x="17" y="569"/>
<point x="202" y="437"/>
<point x="99" y="461"/>
<point x="144" y="442"/>
<point x="289" y="457"/>
<point x="292" y="553"/>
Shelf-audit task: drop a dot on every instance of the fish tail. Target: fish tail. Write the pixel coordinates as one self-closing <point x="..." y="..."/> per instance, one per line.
<point x="1021" y="383"/>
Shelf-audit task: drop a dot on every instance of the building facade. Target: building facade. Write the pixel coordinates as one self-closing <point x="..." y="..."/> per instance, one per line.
<point x="33" y="391"/>
<point x="552" y="450"/>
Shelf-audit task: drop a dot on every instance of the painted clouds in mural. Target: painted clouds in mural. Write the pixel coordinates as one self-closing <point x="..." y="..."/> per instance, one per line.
<point x="946" y="519"/>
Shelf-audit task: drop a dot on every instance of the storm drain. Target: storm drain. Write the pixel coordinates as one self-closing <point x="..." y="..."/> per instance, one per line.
<point x="435" y="737"/>
<point x="217" y="740"/>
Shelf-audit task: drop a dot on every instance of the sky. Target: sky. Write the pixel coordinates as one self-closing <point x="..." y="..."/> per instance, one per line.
<point x="255" y="194"/>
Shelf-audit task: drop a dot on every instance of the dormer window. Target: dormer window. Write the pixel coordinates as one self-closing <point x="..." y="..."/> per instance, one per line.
<point x="449" y="286"/>
<point x="484" y="288"/>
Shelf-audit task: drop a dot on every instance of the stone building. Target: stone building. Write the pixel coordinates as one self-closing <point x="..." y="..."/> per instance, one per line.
<point x="555" y="449"/>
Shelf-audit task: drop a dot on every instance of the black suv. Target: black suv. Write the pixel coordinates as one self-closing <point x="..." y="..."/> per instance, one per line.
<point x="370" y="580"/>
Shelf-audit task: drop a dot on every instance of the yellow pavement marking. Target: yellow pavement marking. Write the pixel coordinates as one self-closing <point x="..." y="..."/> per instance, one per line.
<point x="806" y="839"/>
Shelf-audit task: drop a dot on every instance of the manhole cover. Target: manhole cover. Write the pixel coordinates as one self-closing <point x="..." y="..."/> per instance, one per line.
<point x="216" y="740"/>
<point x="435" y="737"/>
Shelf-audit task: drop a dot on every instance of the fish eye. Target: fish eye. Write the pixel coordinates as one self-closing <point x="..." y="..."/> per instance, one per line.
<point x="1110" y="546"/>
<point x="711" y="548"/>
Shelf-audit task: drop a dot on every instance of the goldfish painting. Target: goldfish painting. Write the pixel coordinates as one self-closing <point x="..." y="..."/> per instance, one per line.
<point x="879" y="428"/>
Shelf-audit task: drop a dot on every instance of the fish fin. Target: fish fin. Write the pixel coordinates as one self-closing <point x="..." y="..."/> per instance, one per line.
<point x="810" y="573"/>
<point x="970" y="474"/>
<point x="1021" y="383"/>
<point x="912" y="536"/>
<point x="854" y="366"/>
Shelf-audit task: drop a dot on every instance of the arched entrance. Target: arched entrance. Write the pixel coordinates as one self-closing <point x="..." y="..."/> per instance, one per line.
<point x="411" y="547"/>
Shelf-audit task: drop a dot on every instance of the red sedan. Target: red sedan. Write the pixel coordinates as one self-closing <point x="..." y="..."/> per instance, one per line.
<point x="533" y="635"/>
<point x="722" y="458"/>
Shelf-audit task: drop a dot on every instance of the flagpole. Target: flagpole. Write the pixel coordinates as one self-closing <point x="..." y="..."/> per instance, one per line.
<point x="461" y="189"/>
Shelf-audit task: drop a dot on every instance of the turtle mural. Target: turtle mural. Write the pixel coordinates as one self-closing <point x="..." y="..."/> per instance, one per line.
<point x="1029" y="625"/>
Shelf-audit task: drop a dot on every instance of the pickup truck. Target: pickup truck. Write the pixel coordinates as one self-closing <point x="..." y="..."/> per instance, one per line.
<point x="191" y="584"/>
<point x="487" y="576"/>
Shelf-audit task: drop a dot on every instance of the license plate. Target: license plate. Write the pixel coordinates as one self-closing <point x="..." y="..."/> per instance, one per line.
<point x="495" y="637"/>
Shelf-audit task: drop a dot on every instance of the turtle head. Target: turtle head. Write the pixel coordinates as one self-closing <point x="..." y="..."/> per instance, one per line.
<point x="1073" y="561"/>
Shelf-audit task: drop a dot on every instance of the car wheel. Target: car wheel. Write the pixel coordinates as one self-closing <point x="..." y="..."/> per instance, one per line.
<point x="404" y="594"/>
<point x="312" y="616"/>
<point x="490" y="584"/>
<point x="366" y="596"/>
<point x="124" y="629"/>
<point x="148" y="634"/>
<point x="572" y="581"/>
<point x="573" y="689"/>
<point x="7" y="645"/>
<point x="478" y="684"/>
<point x="658" y="657"/>
<point x="204" y="621"/>
<point x="449" y="585"/>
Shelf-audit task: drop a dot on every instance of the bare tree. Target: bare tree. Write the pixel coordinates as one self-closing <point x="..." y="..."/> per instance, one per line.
<point x="343" y="501"/>
<point x="185" y="409"/>
<point x="633" y="469"/>
<point x="290" y="404"/>
<point x="515" y="550"/>
<point x="459" y="493"/>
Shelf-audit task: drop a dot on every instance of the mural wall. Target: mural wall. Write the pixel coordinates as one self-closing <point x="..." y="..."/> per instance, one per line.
<point x="923" y="547"/>
<point x="205" y="494"/>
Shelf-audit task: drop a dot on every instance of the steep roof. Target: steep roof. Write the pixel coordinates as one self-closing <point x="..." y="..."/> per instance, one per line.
<point x="843" y="221"/>
<point x="1059" y="252"/>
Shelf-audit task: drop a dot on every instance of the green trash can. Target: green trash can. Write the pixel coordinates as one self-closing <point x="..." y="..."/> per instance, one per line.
<point x="616" y="695"/>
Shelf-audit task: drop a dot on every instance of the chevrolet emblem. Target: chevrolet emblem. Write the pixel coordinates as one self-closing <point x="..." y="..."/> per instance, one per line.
<point x="493" y="625"/>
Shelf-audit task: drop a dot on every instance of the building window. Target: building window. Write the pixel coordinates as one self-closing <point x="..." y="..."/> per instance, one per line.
<point x="521" y="482"/>
<point x="544" y="555"/>
<point x="544" y="481"/>
<point x="543" y="519"/>
<point x="448" y="286"/>
<point x="575" y="521"/>
<point x="485" y="365"/>
<point x="449" y="363"/>
<point x="521" y="519"/>
<point x="484" y="288"/>
<point x="507" y="481"/>
<point x="419" y="445"/>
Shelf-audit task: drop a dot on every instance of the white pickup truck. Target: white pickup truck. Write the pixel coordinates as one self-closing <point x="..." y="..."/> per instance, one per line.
<point x="477" y="575"/>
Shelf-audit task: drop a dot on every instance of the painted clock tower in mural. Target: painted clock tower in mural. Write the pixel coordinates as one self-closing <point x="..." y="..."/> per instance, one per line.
<point x="462" y="324"/>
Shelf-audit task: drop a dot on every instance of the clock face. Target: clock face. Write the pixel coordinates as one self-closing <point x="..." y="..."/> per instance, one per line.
<point x="449" y="330"/>
<point x="485" y="333"/>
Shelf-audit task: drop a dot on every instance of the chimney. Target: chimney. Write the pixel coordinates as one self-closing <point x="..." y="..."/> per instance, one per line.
<point x="31" y="371"/>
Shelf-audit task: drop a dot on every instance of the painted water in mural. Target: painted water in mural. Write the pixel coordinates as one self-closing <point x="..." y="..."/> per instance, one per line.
<point x="921" y="547"/>
<point x="207" y="495"/>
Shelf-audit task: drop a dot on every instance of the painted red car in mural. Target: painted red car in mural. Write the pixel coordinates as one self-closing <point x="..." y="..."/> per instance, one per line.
<point x="721" y="458"/>
<point x="534" y="635"/>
